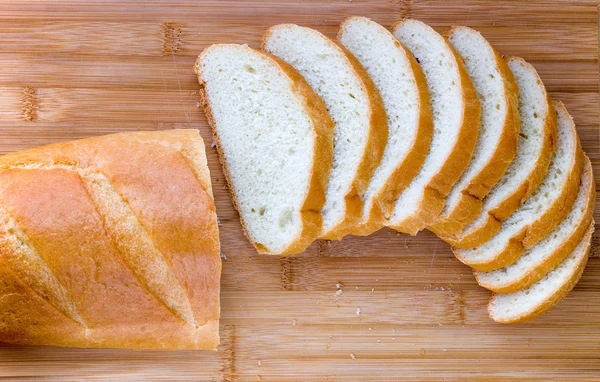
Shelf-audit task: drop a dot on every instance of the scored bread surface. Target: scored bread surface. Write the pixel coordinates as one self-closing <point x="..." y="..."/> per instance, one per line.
<point x="456" y="113"/>
<point x="537" y="261"/>
<point x="356" y="108"/>
<point x="110" y="242"/>
<point x="537" y="142"/>
<point x="401" y="83"/>
<point x="542" y="296"/>
<point x="498" y="130"/>
<point x="544" y="209"/>
<point x="262" y="165"/>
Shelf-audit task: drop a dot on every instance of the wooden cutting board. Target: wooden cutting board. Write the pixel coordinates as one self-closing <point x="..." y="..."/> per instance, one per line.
<point x="76" y="69"/>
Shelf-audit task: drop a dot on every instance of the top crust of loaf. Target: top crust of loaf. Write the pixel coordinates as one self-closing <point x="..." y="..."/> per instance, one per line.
<point x="498" y="132"/>
<point x="140" y="205"/>
<point x="537" y="143"/>
<point x="313" y="110"/>
<point x="422" y="202"/>
<point x="403" y="88"/>
<point x="356" y="108"/>
<point x="542" y="212"/>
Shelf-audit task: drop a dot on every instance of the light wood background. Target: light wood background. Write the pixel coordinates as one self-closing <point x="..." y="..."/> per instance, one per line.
<point x="75" y="69"/>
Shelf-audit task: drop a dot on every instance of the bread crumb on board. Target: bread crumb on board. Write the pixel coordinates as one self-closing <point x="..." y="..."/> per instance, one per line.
<point x="352" y="356"/>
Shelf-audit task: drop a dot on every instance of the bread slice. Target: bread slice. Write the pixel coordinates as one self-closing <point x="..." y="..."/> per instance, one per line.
<point x="542" y="212"/>
<point x="498" y="130"/>
<point x="537" y="142"/>
<point x="274" y="138"/>
<point x="456" y="113"/>
<point x="356" y="108"/>
<point x="401" y="83"/>
<point x="537" y="261"/>
<point x="542" y="296"/>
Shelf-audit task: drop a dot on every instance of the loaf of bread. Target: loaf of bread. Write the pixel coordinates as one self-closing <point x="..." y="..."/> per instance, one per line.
<point x="110" y="242"/>
<point x="430" y="130"/>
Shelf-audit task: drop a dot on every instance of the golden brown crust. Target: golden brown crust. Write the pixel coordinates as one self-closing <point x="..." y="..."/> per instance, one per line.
<point x="434" y="195"/>
<point x="405" y="171"/>
<point x="470" y="203"/>
<point x="310" y="211"/>
<point x="486" y="231"/>
<point x="557" y="296"/>
<point x="537" y="271"/>
<point x="49" y="194"/>
<point x="540" y="228"/>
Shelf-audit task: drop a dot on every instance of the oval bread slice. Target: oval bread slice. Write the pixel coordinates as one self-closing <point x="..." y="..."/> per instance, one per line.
<point x="537" y="261"/>
<point x="537" y="142"/>
<point x="401" y="83"/>
<point x="356" y="108"/>
<point x="542" y="212"/>
<point x="542" y="296"/>
<point x="274" y="139"/>
<point x="498" y="130"/>
<point x="456" y="111"/>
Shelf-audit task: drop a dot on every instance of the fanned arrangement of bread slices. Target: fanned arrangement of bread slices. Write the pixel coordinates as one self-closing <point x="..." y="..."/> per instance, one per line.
<point x="410" y="129"/>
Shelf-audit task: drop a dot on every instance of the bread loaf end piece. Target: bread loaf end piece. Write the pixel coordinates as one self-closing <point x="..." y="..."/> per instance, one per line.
<point x="110" y="242"/>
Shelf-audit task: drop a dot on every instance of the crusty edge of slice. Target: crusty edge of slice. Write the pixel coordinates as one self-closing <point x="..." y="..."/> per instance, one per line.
<point x="537" y="230"/>
<point x="470" y="202"/>
<point x="539" y="270"/>
<point x="373" y="150"/>
<point x="310" y="211"/>
<point x="434" y="194"/>
<point x="495" y="216"/>
<point x="405" y="171"/>
<point x="558" y="295"/>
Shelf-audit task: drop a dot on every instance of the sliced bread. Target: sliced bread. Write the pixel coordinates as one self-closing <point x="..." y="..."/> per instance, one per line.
<point x="403" y="88"/>
<point x="542" y="296"/>
<point x="537" y="261"/>
<point x="456" y="111"/>
<point x="537" y="142"/>
<point x="274" y="139"/>
<point x="498" y="130"/>
<point x="356" y="108"/>
<point x="544" y="209"/>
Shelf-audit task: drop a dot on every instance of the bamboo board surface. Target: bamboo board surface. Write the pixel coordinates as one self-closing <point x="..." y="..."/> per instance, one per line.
<point x="76" y="69"/>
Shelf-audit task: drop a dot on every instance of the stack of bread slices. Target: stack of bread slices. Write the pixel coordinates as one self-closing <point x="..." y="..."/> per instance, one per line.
<point x="409" y="129"/>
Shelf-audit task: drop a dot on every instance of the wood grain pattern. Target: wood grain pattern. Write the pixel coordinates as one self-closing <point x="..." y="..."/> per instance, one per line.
<point x="75" y="69"/>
